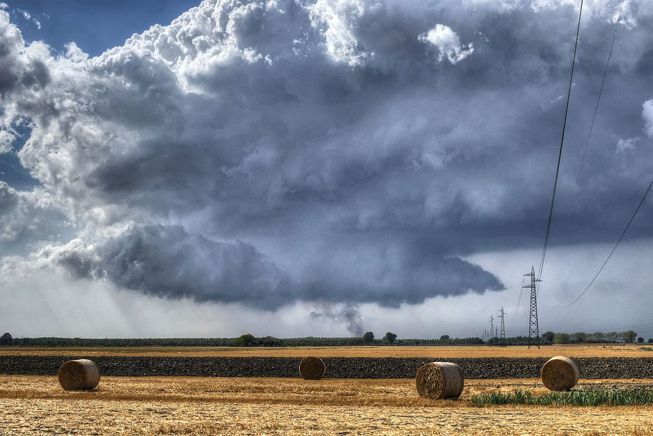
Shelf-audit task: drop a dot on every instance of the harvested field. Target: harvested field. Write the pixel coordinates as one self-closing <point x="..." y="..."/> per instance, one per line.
<point x="345" y="367"/>
<point x="442" y="352"/>
<point x="181" y="405"/>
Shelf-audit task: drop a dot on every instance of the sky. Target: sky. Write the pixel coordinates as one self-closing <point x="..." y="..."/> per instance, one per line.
<point x="321" y="168"/>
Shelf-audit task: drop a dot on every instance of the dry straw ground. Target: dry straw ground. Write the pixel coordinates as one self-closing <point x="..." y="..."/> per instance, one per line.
<point x="179" y="405"/>
<point x="443" y="352"/>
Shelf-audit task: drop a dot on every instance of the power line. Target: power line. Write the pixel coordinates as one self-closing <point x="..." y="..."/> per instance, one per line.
<point x="607" y="259"/>
<point x="562" y="141"/>
<point x="598" y="100"/>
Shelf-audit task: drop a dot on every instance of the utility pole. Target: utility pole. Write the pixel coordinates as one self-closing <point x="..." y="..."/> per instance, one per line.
<point x="491" y="326"/>
<point x="502" y="315"/>
<point x="533" y="323"/>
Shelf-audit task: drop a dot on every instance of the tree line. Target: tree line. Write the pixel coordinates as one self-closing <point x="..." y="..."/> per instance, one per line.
<point x="246" y="340"/>
<point x="249" y="340"/>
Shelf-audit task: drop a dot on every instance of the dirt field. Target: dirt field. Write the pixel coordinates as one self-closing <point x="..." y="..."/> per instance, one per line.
<point x="180" y="405"/>
<point x="445" y="352"/>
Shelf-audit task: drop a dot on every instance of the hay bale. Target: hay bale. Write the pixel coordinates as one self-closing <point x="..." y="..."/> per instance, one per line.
<point x="560" y="373"/>
<point x="440" y="380"/>
<point x="312" y="368"/>
<point x="79" y="375"/>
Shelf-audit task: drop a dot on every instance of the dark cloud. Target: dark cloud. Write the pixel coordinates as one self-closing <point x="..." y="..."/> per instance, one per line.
<point x="360" y="149"/>
<point x="168" y="262"/>
<point x="16" y="69"/>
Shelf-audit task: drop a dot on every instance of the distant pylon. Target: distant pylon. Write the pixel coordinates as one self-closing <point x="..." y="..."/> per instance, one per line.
<point x="502" y="315"/>
<point x="533" y="323"/>
<point x="491" y="326"/>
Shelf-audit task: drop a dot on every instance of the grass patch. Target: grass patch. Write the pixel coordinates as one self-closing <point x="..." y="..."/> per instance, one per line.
<point x="646" y="348"/>
<point x="603" y="397"/>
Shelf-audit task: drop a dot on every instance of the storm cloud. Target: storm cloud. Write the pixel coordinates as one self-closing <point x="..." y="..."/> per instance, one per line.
<point x="350" y="151"/>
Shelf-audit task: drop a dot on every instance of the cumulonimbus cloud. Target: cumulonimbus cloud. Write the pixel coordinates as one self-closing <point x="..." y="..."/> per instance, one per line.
<point x="270" y="152"/>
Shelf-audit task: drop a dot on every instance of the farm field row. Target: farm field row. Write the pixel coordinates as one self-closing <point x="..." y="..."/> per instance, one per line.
<point x="33" y="404"/>
<point x="445" y="352"/>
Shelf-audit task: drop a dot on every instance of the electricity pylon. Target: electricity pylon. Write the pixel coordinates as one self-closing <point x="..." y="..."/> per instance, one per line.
<point x="533" y="323"/>
<point x="502" y="315"/>
<point x="491" y="327"/>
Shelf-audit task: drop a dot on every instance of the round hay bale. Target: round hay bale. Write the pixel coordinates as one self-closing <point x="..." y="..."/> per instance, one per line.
<point x="79" y="375"/>
<point x="560" y="373"/>
<point x="440" y="380"/>
<point x="312" y="368"/>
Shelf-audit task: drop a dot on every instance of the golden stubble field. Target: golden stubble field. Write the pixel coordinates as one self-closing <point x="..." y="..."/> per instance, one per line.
<point x="444" y="352"/>
<point x="197" y="405"/>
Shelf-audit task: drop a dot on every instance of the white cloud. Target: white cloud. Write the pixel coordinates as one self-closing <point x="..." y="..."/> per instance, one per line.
<point x="28" y="220"/>
<point x="6" y="140"/>
<point x="448" y="44"/>
<point x="28" y="17"/>
<point x="336" y="20"/>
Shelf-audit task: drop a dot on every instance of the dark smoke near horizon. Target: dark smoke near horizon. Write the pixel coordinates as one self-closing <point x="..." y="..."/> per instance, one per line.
<point x="347" y="314"/>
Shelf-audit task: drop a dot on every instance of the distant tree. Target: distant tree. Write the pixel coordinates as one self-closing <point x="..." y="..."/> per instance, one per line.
<point x="561" y="338"/>
<point x="390" y="337"/>
<point x="368" y="337"/>
<point x="640" y="340"/>
<point x="246" y="340"/>
<point x="629" y="336"/>
<point x="6" y="339"/>
<point x="444" y="337"/>
<point x="599" y="337"/>
<point x="548" y="336"/>
<point x="268" y="341"/>
<point x="579" y="337"/>
<point x="650" y="340"/>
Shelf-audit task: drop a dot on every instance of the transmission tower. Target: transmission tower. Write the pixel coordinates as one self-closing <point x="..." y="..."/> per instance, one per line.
<point x="533" y="323"/>
<point x="491" y="326"/>
<point x="502" y="316"/>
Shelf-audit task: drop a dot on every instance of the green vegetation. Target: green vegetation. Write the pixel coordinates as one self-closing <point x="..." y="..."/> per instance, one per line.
<point x="516" y="340"/>
<point x="603" y="397"/>
<point x="628" y="336"/>
<point x="646" y="348"/>
<point x="246" y="340"/>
